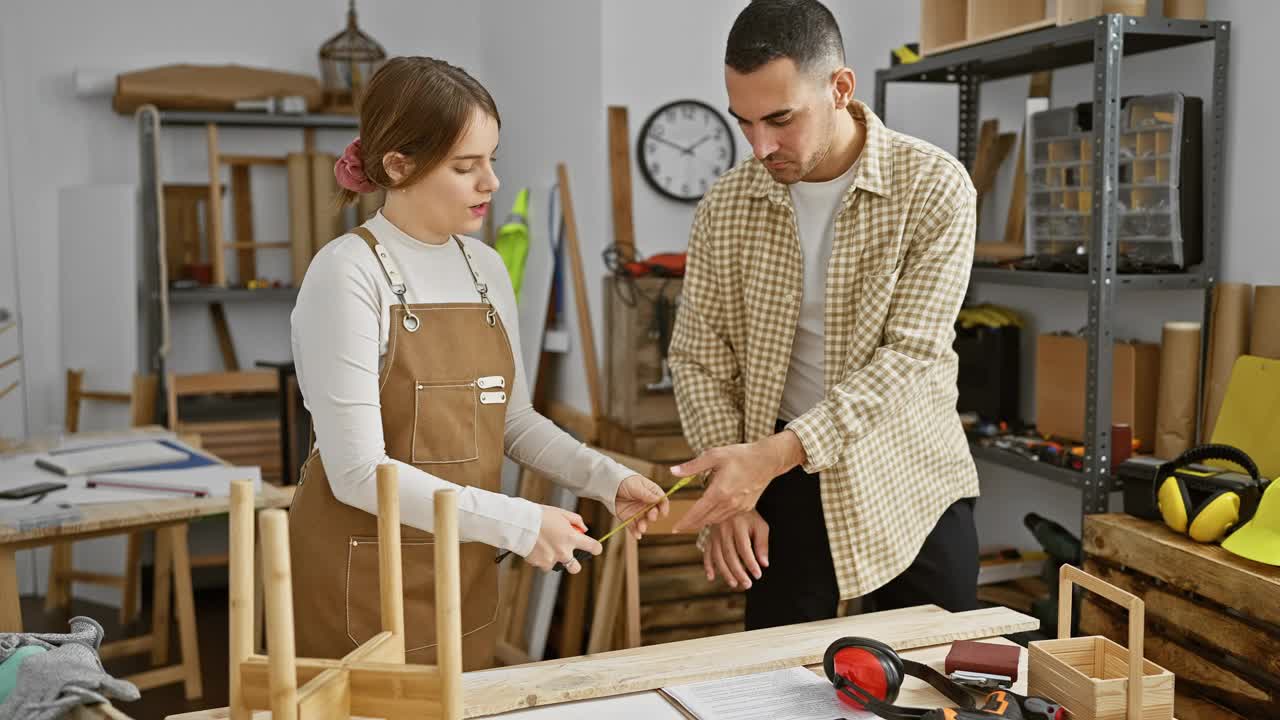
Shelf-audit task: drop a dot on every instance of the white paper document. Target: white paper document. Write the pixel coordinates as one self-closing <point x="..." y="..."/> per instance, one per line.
<point x="791" y="694"/>
<point x="107" y="459"/>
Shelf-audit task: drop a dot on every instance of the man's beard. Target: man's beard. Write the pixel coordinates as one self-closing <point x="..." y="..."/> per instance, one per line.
<point x="795" y="172"/>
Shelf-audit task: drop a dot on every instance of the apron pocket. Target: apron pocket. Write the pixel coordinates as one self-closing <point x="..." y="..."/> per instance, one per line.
<point x="417" y="560"/>
<point x="444" y="422"/>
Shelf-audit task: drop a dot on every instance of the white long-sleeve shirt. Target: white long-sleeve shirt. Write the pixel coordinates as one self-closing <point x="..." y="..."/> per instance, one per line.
<point x="340" y="328"/>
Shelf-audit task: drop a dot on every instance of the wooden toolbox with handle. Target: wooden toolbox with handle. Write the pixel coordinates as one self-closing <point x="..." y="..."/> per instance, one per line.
<point x="1093" y="677"/>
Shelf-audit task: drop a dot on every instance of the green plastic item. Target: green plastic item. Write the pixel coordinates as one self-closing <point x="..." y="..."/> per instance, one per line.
<point x="9" y="669"/>
<point x="513" y="240"/>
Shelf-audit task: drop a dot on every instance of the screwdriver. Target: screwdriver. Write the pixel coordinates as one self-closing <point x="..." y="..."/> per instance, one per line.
<point x="582" y="555"/>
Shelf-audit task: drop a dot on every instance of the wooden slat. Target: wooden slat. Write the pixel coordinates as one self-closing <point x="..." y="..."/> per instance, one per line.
<point x="1204" y="569"/>
<point x="631" y="583"/>
<point x="714" y="610"/>
<point x="326" y="697"/>
<point x="1219" y="628"/>
<point x="585" y="332"/>
<point x="1235" y="686"/>
<point x="681" y="582"/>
<point x="258" y="245"/>
<point x="214" y="213"/>
<point x="666" y="555"/>
<point x="242" y="217"/>
<point x="92" y="578"/>
<point x="245" y="381"/>
<point x="115" y="397"/>
<point x="300" y="213"/>
<point x="158" y="677"/>
<point x="125" y="648"/>
<point x="239" y="161"/>
<point x="626" y="671"/>
<point x="624" y="231"/>
<point x="378" y="690"/>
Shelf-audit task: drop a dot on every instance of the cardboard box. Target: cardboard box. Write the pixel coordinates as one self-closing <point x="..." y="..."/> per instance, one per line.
<point x="1060" y="387"/>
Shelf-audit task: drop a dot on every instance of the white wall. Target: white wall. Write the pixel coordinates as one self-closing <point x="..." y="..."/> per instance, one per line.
<point x="553" y="67"/>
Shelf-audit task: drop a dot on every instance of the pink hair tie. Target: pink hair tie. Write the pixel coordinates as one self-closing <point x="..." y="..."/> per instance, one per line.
<point x="349" y="170"/>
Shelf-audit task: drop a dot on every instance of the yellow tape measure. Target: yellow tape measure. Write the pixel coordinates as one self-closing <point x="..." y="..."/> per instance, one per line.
<point x="679" y="484"/>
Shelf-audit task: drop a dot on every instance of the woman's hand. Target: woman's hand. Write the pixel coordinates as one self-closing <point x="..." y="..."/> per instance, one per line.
<point x="635" y="494"/>
<point x="561" y="533"/>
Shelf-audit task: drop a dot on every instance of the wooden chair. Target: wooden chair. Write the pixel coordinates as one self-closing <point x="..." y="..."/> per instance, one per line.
<point x="239" y="441"/>
<point x="172" y="566"/>
<point x="141" y="401"/>
<point x="372" y="680"/>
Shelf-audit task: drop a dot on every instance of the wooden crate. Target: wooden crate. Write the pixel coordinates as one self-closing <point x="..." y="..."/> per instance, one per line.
<point x="658" y="445"/>
<point x="950" y="24"/>
<point x="676" y="600"/>
<point x="632" y="357"/>
<point x="1095" y="678"/>
<point x="1213" y="617"/>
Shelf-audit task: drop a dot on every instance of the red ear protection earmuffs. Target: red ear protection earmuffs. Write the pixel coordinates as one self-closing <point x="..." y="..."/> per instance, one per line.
<point x="868" y="674"/>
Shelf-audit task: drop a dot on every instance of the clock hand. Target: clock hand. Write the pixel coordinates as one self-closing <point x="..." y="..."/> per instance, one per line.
<point x="664" y="141"/>
<point x="703" y="139"/>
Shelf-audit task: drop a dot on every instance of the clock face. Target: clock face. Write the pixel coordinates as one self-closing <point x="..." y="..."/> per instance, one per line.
<point x="683" y="147"/>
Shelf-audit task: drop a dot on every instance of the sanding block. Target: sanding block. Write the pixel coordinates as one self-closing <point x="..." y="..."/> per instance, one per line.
<point x="985" y="664"/>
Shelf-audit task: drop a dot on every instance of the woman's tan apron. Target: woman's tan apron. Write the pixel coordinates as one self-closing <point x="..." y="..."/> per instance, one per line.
<point x="443" y="388"/>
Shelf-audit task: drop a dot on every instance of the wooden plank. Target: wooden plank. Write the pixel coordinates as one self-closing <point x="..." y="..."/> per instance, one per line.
<point x="242" y="216"/>
<point x="227" y="347"/>
<point x="624" y="231"/>
<point x="667" y="446"/>
<point x="125" y="648"/>
<point x="678" y="583"/>
<point x="683" y="553"/>
<point x="631" y="583"/>
<point x="300" y="215"/>
<point x="244" y="161"/>
<point x="184" y="599"/>
<point x="585" y="332"/>
<point x="244" y="381"/>
<point x="158" y="677"/>
<point x="713" y="610"/>
<point x="214" y="213"/>
<point x="1220" y="629"/>
<point x="942" y="23"/>
<point x="635" y="670"/>
<point x="326" y="697"/>
<point x="1208" y="678"/>
<point x="690" y="632"/>
<point x="1204" y="569"/>
<point x="1192" y="707"/>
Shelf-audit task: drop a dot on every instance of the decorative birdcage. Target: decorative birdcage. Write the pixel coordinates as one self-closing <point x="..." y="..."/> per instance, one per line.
<point x="347" y="61"/>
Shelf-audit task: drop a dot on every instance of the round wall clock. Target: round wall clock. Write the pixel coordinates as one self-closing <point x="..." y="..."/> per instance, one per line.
<point x="683" y="147"/>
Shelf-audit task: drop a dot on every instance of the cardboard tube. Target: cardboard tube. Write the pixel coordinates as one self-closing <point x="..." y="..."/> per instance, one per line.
<point x="1176" y="406"/>
<point x="1265" y="340"/>
<point x="1228" y="340"/>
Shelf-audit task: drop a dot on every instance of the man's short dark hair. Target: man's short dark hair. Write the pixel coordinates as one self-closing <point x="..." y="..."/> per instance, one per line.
<point x="803" y="30"/>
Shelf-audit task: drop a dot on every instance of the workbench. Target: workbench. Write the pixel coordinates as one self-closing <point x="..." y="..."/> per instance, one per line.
<point x="169" y="518"/>
<point x="621" y="685"/>
<point x="1212" y="618"/>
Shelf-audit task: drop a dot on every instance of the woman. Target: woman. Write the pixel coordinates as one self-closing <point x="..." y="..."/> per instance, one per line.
<point x="406" y="345"/>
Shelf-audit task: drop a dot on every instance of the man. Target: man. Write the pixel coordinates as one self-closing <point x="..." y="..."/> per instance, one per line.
<point x="812" y="350"/>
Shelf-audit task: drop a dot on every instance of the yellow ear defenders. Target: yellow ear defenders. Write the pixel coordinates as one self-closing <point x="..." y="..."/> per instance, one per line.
<point x="1206" y="503"/>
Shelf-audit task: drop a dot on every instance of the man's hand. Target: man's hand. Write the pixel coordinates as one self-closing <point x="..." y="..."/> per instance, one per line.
<point x="635" y="494"/>
<point x="737" y="549"/>
<point x="738" y="476"/>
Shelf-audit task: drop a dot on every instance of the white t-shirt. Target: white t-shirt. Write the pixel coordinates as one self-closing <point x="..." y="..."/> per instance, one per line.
<point x="815" y="206"/>
<point x="340" y="328"/>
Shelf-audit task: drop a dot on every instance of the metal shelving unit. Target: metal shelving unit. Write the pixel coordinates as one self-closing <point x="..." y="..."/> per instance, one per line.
<point x="150" y="122"/>
<point x="1102" y="42"/>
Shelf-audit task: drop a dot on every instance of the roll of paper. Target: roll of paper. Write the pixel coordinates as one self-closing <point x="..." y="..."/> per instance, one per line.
<point x="1228" y="340"/>
<point x="1176" y="406"/>
<point x="1265" y="340"/>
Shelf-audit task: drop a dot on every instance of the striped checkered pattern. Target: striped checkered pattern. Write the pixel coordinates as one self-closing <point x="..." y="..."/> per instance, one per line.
<point x="886" y="439"/>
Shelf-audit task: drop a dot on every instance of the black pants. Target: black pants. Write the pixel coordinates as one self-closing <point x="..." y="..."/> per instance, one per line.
<point x="800" y="583"/>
